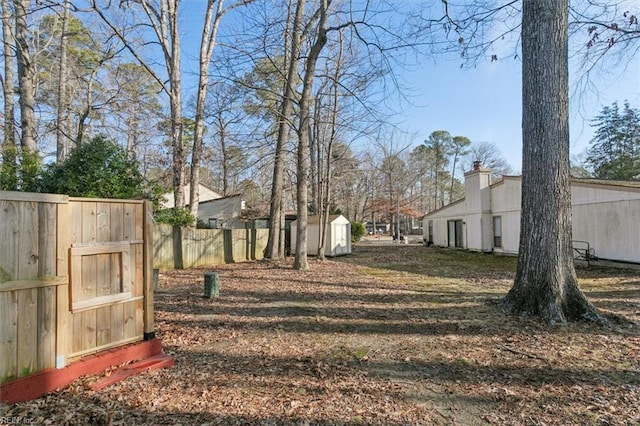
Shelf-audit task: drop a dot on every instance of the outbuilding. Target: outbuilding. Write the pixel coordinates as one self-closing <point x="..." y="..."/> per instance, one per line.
<point x="337" y="240"/>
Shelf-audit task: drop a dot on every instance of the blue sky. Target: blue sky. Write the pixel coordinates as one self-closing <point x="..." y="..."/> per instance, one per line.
<point x="484" y="103"/>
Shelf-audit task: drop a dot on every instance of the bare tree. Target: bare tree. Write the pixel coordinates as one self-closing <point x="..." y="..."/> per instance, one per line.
<point x="62" y="119"/>
<point x="9" y="169"/>
<point x="275" y="245"/>
<point x="213" y="15"/>
<point x="488" y="154"/>
<point x="320" y="41"/>
<point x="26" y="75"/>
<point x="162" y="18"/>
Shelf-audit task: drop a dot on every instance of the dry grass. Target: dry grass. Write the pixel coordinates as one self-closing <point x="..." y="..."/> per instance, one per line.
<point x="392" y="335"/>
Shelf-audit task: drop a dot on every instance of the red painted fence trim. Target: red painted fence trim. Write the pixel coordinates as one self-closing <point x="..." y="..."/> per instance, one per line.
<point x="45" y="381"/>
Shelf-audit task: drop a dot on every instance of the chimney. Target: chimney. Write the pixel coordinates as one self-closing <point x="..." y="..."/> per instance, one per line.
<point x="476" y="165"/>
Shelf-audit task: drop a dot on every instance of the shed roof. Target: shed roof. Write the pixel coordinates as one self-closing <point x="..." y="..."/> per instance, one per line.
<point x="315" y="219"/>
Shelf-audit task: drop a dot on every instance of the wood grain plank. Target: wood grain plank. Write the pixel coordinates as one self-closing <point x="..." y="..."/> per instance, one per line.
<point x="129" y="309"/>
<point x="33" y="197"/>
<point x="103" y="273"/>
<point x="47" y="240"/>
<point x="130" y="326"/>
<point x="64" y="320"/>
<point x="27" y="332"/>
<point x="8" y="335"/>
<point x="89" y="272"/>
<point x="116" y="234"/>
<point x="37" y="283"/>
<point x="76" y="333"/>
<point x="89" y="324"/>
<point x="9" y="226"/>
<point x="46" y="327"/>
<point x="27" y="236"/>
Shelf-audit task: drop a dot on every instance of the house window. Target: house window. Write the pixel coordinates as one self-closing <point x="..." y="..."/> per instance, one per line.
<point x="497" y="231"/>
<point x="213" y="223"/>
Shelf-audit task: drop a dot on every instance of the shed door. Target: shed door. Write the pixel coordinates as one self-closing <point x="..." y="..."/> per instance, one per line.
<point x="454" y="233"/>
<point x="340" y="238"/>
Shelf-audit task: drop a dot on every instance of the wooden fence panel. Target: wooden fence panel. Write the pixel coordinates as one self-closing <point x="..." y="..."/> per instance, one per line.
<point x="203" y="248"/>
<point x="28" y="281"/>
<point x="72" y="279"/>
<point x="107" y="275"/>
<point x="162" y="246"/>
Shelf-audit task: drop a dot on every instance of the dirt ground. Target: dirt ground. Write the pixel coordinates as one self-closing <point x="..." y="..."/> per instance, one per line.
<point x="391" y="335"/>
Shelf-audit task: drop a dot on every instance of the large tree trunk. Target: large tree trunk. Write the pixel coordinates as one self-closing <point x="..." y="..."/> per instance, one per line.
<point x="275" y="247"/>
<point x="301" y="261"/>
<point x="26" y="73"/>
<point x="175" y="78"/>
<point x="546" y="283"/>
<point x="9" y="170"/>
<point x="209" y="32"/>
<point x="62" y="119"/>
<point x="326" y="172"/>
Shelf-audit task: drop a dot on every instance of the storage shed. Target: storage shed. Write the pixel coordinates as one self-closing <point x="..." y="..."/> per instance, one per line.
<point x="337" y="238"/>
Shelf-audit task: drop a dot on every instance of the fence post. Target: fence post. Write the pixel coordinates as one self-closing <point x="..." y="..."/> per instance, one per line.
<point x="147" y="254"/>
<point x="64" y="325"/>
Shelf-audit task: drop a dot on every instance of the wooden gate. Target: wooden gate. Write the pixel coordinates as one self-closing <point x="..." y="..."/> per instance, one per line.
<point x="75" y="279"/>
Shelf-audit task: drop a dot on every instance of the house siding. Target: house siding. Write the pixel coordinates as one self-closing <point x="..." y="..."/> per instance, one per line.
<point x="607" y="216"/>
<point x="226" y="211"/>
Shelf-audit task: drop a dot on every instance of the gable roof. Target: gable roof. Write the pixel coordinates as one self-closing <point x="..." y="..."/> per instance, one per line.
<point x="612" y="184"/>
<point x="220" y="199"/>
<point x="315" y="219"/>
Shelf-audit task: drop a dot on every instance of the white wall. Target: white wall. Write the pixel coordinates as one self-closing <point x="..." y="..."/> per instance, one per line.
<point x="505" y="202"/>
<point x="226" y="210"/>
<point x="612" y="229"/>
<point x="605" y="215"/>
<point x="454" y="211"/>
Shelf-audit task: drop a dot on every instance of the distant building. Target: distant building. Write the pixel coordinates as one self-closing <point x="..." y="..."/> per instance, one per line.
<point x="204" y="194"/>
<point x="337" y="237"/>
<point x="223" y="213"/>
<point x="606" y="217"/>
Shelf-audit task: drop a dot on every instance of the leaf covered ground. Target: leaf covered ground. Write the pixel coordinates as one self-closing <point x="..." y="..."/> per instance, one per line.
<point x="391" y="335"/>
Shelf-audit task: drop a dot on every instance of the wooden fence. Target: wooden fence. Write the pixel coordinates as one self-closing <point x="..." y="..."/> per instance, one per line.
<point x="75" y="279"/>
<point x="176" y="248"/>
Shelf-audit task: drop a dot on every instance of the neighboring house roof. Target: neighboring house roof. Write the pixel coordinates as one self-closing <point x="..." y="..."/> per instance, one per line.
<point x="221" y="198"/>
<point x="612" y="184"/>
<point x="205" y="194"/>
<point x="461" y="200"/>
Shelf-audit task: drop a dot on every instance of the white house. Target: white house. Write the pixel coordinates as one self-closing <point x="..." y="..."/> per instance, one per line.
<point x="606" y="217"/>
<point x="204" y="194"/>
<point x="337" y="240"/>
<point x="222" y="213"/>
